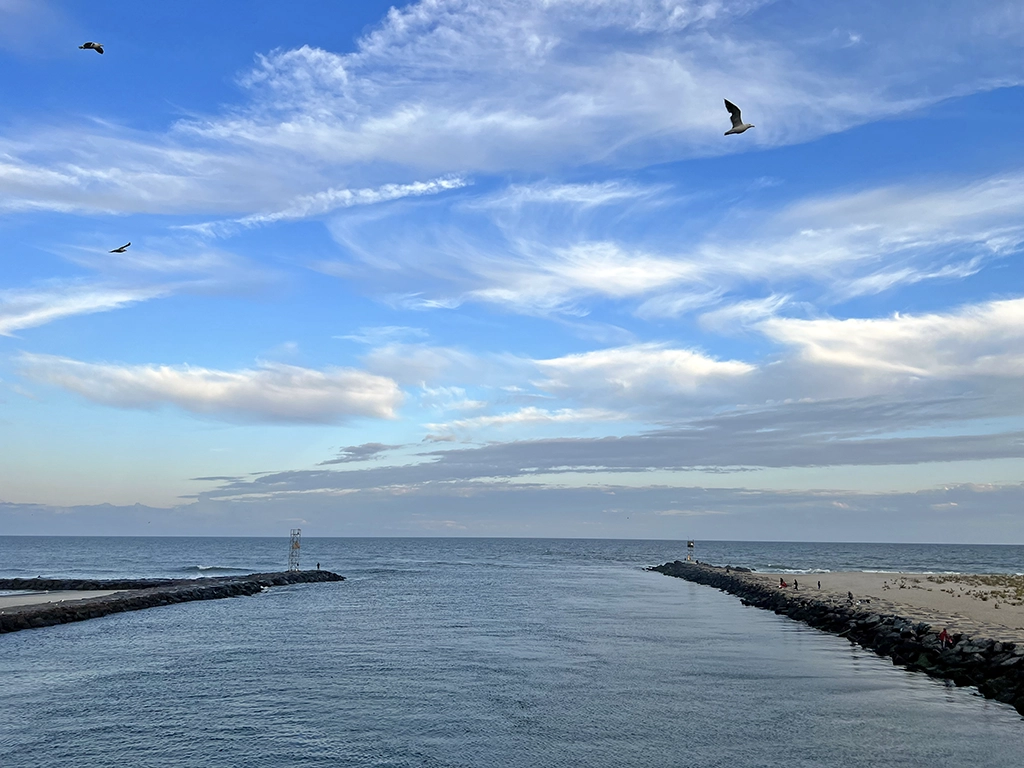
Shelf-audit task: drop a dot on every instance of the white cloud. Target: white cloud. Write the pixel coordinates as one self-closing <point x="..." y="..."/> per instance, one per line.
<point x="634" y="374"/>
<point x="440" y="85"/>
<point x="678" y="303"/>
<point x="272" y="392"/>
<point x="551" y="258"/>
<point x="146" y="174"/>
<point x="418" y="363"/>
<point x="574" y="195"/>
<point x="742" y="314"/>
<point x="140" y="274"/>
<point x="871" y="241"/>
<point x="29" y="308"/>
<point x="448" y="399"/>
<point x="528" y="416"/>
<point x="381" y="334"/>
<point x="553" y="279"/>
<point x="331" y="200"/>
<point x="979" y="340"/>
<point x="459" y="86"/>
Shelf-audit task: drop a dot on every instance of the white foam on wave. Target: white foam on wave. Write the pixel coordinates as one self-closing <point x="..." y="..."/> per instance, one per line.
<point x="913" y="573"/>
<point x="205" y="568"/>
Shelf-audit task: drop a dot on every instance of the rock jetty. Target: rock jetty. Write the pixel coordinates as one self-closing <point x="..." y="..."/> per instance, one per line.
<point x="136" y="594"/>
<point x="995" y="668"/>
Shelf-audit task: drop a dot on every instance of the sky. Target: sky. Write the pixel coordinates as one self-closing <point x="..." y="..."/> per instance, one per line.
<point x="465" y="268"/>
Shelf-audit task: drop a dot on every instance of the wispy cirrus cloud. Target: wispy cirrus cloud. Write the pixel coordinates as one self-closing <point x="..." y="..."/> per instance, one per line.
<point x="121" y="280"/>
<point x="457" y="87"/>
<point x="31" y="307"/>
<point x="271" y="392"/>
<point x="563" y="258"/>
<point x="577" y="196"/>
<point x="331" y="200"/>
<point x="431" y="87"/>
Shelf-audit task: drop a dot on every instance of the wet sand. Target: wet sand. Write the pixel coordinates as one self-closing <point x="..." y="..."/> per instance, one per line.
<point x="976" y="605"/>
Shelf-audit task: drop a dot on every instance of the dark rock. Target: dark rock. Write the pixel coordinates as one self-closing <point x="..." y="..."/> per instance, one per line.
<point x="996" y="668"/>
<point x="136" y="594"/>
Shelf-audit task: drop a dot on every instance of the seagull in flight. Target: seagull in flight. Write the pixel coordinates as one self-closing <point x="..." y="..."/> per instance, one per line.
<point x="98" y="47"/>
<point x="122" y="249"/>
<point x="738" y="126"/>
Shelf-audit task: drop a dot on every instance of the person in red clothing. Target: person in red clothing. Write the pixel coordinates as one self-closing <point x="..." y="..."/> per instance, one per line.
<point x="782" y="583"/>
<point x="943" y="637"/>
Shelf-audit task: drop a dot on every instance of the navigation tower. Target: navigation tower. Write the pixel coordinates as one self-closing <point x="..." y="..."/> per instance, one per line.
<point x="293" y="549"/>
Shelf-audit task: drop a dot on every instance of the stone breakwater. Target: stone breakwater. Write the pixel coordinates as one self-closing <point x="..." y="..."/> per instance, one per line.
<point x="995" y="668"/>
<point x="136" y="594"/>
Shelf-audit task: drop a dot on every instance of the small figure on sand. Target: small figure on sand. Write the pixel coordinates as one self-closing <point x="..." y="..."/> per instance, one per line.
<point x="796" y="584"/>
<point x="819" y="585"/>
<point x="849" y="596"/>
<point x="782" y="583"/>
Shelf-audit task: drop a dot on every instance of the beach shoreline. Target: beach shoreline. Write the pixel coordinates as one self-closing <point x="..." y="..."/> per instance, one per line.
<point x="933" y="627"/>
<point x="985" y="605"/>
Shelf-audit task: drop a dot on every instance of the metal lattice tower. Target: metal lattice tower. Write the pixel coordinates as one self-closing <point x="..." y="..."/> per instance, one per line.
<point x="293" y="549"/>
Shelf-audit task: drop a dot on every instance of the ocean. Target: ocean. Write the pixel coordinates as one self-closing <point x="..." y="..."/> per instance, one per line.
<point x="475" y="652"/>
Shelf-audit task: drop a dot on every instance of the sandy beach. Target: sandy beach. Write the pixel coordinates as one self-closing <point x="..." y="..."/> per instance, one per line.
<point x="63" y="596"/>
<point x="977" y="605"/>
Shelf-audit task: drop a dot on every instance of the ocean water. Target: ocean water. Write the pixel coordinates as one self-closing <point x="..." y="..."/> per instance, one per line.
<point x="471" y="652"/>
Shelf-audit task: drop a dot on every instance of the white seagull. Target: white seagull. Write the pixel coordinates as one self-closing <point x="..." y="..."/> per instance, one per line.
<point x="122" y="249"/>
<point x="738" y="126"/>
<point x="98" y="47"/>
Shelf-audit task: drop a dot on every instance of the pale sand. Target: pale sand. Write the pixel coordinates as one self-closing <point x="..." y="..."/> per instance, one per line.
<point x="65" y="596"/>
<point x="980" y="606"/>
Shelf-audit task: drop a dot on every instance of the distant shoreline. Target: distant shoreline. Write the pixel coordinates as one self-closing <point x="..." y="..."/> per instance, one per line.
<point x="902" y="616"/>
<point x="66" y="600"/>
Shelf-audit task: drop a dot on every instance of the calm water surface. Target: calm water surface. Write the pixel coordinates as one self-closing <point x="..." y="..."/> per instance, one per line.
<point x="460" y="653"/>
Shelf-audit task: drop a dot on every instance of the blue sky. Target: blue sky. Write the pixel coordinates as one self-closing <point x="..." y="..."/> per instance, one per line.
<point x="467" y="268"/>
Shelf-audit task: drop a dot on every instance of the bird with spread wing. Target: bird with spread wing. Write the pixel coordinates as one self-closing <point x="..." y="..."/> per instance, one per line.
<point x="738" y="126"/>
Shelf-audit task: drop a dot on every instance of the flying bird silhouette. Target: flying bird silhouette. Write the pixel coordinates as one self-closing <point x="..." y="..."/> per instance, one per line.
<point x="122" y="249"/>
<point x="98" y="47"/>
<point x="738" y="126"/>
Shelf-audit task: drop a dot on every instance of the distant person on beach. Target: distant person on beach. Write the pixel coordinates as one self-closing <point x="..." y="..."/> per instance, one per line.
<point x="943" y="638"/>
<point x="782" y="583"/>
<point x="849" y="596"/>
<point x="819" y="585"/>
<point x="796" y="584"/>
